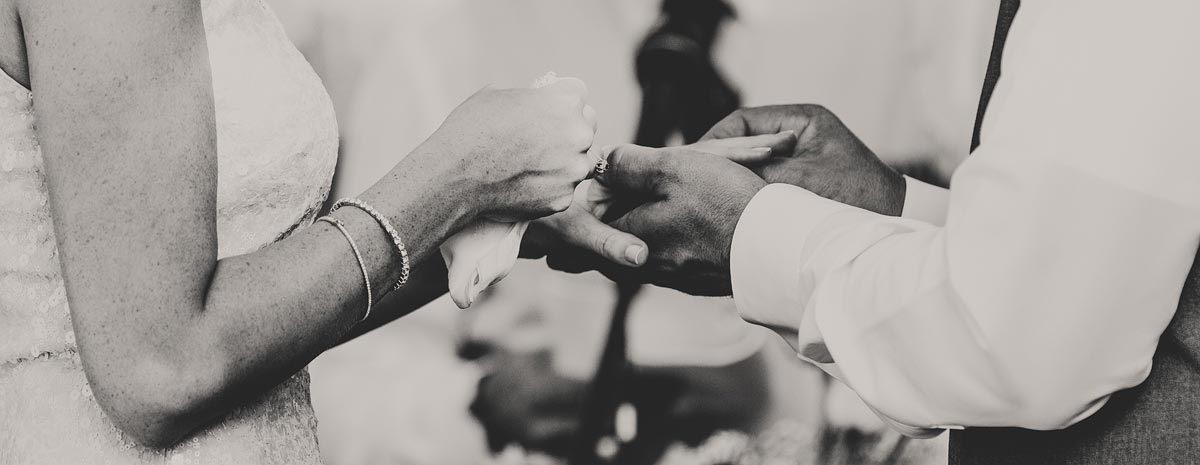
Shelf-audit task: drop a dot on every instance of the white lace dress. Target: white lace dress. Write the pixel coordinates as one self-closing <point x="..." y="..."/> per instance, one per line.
<point x="277" y="141"/>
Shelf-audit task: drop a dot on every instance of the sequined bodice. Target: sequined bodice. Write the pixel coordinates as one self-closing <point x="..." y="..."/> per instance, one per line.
<point x="277" y="140"/>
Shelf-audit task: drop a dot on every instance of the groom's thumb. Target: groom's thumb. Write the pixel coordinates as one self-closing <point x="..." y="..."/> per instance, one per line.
<point x="589" y="233"/>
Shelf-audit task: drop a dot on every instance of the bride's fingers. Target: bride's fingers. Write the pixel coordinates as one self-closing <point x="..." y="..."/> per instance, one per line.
<point x="777" y="142"/>
<point x="752" y="149"/>
<point x="744" y="155"/>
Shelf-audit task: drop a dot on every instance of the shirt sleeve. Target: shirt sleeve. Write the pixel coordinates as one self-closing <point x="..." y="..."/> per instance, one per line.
<point x="925" y="202"/>
<point x="1066" y="242"/>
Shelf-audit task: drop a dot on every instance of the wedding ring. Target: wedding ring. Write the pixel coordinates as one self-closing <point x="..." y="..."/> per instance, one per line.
<point x="601" y="166"/>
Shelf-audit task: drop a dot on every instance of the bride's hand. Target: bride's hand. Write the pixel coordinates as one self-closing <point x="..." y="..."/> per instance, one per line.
<point x="515" y="154"/>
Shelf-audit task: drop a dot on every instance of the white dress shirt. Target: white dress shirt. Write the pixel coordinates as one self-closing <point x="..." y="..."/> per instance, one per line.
<point x="1040" y="283"/>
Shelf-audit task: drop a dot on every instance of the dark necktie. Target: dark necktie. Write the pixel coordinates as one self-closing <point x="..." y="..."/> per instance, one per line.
<point x="1008" y="10"/>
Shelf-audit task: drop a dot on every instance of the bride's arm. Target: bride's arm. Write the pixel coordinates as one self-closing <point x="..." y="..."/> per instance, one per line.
<point x="428" y="282"/>
<point x="171" y="337"/>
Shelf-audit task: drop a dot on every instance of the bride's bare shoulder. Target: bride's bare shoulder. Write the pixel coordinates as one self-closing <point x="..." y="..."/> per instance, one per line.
<point x="24" y="22"/>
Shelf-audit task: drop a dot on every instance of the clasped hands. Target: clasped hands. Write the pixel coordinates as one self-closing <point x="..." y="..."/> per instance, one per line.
<point x="667" y="216"/>
<point x="660" y="216"/>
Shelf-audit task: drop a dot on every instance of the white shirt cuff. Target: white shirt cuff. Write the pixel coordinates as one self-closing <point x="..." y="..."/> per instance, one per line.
<point x="925" y="202"/>
<point x="770" y="286"/>
<point x="764" y="264"/>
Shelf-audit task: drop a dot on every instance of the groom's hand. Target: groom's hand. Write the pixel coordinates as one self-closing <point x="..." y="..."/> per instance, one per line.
<point x="687" y="206"/>
<point x="826" y="159"/>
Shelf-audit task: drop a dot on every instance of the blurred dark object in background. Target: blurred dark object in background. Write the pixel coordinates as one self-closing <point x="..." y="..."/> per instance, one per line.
<point x="682" y="90"/>
<point x="683" y="94"/>
<point x="524" y="401"/>
<point x="528" y="403"/>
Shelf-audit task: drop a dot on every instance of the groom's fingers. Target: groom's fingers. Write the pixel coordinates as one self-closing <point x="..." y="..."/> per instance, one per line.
<point x="632" y="168"/>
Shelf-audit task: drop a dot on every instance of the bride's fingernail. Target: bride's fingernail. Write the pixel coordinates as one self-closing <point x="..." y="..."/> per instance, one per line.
<point x="761" y="151"/>
<point x="636" y="254"/>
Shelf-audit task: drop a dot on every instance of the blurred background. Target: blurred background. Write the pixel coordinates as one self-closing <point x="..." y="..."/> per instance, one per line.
<point x="512" y="380"/>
